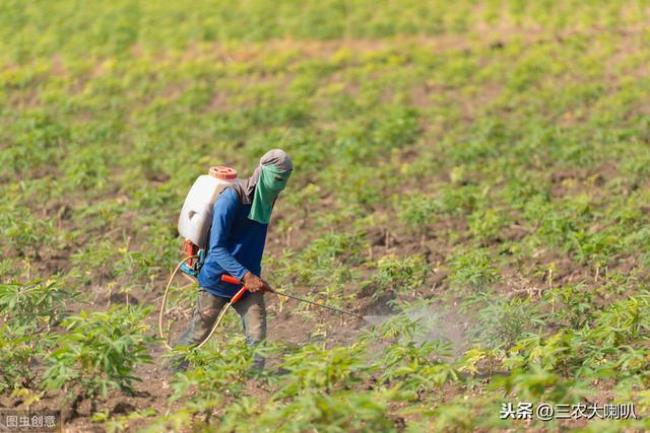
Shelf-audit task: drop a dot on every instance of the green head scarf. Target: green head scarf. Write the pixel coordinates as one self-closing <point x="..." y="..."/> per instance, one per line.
<point x="272" y="176"/>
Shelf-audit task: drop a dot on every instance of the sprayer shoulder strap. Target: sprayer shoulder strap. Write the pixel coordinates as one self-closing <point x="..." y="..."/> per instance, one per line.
<point x="238" y="191"/>
<point x="241" y="192"/>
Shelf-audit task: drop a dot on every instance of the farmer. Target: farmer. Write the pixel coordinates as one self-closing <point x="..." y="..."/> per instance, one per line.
<point x="240" y="220"/>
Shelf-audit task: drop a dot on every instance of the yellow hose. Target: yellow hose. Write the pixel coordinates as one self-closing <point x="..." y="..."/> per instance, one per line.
<point x="216" y="324"/>
<point x="164" y="300"/>
<point x="164" y="304"/>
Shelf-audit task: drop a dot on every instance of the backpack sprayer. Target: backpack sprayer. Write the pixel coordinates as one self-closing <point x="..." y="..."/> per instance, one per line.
<point x="194" y="226"/>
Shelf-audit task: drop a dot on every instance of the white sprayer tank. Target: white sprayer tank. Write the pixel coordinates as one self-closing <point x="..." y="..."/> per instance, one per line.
<point x="196" y="215"/>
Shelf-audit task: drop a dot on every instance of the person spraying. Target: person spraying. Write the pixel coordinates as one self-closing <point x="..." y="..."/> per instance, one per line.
<point x="236" y="243"/>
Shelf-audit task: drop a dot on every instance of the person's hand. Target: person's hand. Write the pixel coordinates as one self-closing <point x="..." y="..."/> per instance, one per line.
<point x="253" y="283"/>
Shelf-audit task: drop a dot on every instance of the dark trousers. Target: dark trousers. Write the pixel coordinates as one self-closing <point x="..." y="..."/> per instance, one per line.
<point x="251" y="309"/>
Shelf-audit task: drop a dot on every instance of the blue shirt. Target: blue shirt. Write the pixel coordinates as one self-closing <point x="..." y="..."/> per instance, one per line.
<point x="235" y="246"/>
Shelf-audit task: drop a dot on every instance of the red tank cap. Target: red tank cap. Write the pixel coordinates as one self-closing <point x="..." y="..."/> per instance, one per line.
<point x="223" y="173"/>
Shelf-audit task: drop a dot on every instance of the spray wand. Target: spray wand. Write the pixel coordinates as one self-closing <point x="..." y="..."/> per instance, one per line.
<point x="240" y="293"/>
<point x="232" y="280"/>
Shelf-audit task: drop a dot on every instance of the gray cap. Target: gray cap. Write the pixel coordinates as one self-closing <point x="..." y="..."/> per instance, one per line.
<point x="277" y="157"/>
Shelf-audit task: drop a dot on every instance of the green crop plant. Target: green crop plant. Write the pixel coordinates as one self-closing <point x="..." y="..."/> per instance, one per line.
<point x="28" y="312"/>
<point x="573" y="305"/>
<point x="38" y="139"/>
<point x="398" y="328"/>
<point x="473" y="269"/>
<point x="213" y="378"/>
<point x="96" y="262"/>
<point x="553" y="353"/>
<point x="99" y="352"/>
<point x="24" y="233"/>
<point x="346" y="247"/>
<point x="397" y="127"/>
<point x="543" y="385"/>
<point x="502" y="322"/>
<point x="214" y="369"/>
<point x="87" y="169"/>
<point x="364" y="186"/>
<point x="118" y="424"/>
<point x="340" y="412"/>
<point x="415" y="366"/>
<point x="323" y="263"/>
<point x="624" y="321"/>
<point x="460" y="200"/>
<point x="17" y="352"/>
<point x="398" y="275"/>
<point x="486" y="225"/>
<point x="596" y="248"/>
<point x="35" y="304"/>
<point x="320" y="369"/>
<point x="418" y="212"/>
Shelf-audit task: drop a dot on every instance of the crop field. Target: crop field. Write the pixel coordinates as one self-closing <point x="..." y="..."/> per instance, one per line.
<point x="472" y="175"/>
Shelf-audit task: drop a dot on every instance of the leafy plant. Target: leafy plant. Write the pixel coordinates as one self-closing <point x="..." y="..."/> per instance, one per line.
<point x="473" y="268"/>
<point x="99" y="351"/>
<point x="417" y="212"/>
<point x="17" y="353"/>
<point x="398" y="275"/>
<point x="576" y="305"/>
<point x="319" y="368"/>
<point x="34" y="303"/>
<point x="27" y="313"/>
<point x="486" y="225"/>
<point x="502" y="322"/>
<point x="213" y="370"/>
<point x="340" y="412"/>
<point x="417" y="366"/>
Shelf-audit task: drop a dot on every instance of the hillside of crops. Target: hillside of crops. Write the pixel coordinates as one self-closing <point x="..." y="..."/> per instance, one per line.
<point x="472" y="175"/>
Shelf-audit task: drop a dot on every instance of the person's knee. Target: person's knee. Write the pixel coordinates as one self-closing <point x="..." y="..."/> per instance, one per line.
<point x="206" y="312"/>
<point x="209" y="306"/>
